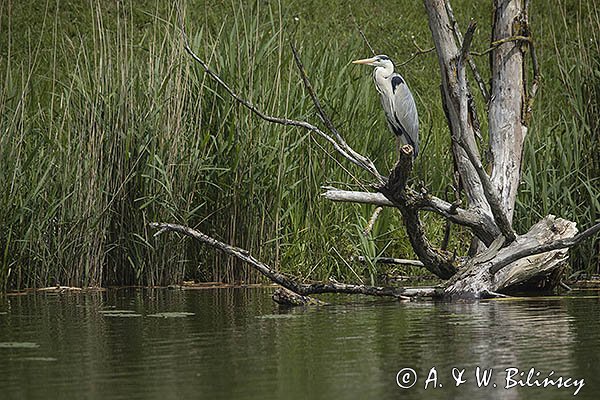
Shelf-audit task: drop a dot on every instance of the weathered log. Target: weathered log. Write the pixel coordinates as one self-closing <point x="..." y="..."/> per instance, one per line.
<point x="481" y="274"/>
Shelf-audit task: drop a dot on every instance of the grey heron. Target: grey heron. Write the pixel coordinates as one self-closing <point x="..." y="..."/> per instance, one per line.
<point x="397" y="101"/>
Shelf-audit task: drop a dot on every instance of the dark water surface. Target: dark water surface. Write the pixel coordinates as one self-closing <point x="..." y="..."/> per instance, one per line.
<point x="238" y="344"/>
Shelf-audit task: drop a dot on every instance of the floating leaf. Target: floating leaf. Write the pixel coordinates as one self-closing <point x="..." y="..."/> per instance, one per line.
<point x="122" y="315"/>
<point x="48" y="359"/>
<point x="18" y="345"/>
<point x="278" y="316"/>
<point x="171" y="314"/>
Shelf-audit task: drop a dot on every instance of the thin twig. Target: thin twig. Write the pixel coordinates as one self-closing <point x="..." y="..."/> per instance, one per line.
<point x="530" y="95"/>
<point x="534" y="85"/>
<point x="362" y="34"/>
<point x="500" y="42"/>
<point x="362" y="161"/>
<point x="419" y="52"/>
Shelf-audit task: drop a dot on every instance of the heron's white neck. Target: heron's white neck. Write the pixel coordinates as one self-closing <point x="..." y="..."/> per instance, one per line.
<point x="384" y="71"/>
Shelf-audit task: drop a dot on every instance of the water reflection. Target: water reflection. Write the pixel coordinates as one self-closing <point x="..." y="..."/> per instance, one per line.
<point x="235" y="343"/>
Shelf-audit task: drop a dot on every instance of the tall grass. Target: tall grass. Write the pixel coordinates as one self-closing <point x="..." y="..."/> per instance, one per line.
<point x="107" y="125"/>
<point x="561" y="173"/>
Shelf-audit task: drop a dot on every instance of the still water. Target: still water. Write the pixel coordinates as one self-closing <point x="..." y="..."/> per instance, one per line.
<point x="238" y="344"/>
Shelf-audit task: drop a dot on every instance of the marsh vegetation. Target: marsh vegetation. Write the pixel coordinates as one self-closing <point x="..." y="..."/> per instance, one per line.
<point x="106" y="125"/>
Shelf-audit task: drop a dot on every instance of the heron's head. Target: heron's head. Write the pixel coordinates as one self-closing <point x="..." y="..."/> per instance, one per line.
<point x="377" y="61"/>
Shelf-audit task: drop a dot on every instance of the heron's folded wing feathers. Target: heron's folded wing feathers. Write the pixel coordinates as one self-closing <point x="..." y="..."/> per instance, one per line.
<point x="404" y="111"/>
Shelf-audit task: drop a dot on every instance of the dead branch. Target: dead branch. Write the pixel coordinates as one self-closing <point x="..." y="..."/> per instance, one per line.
<point x="546" y="247"/>
<point x="480" y="223"/>
<point x="286" y="297"/>
<point x="303" y="289"/>
<point x="448" y="51"/>
<point x="455" y="28"/>
<point x="490" y="194"/>
<point x="362" y="161"/>
<point x="532" y="92"/>
<point x="362" y="34"/>
<point x="339" y="145"/>
<point x="534" y="85"/>
<point x="419" y="52"/>
<point x="500" y="42"/>
<point x="349" y="196"/>
<point x="505" y="116"/>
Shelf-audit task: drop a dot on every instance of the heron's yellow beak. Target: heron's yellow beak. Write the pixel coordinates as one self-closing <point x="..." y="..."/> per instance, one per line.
<point x="364" y="61"/>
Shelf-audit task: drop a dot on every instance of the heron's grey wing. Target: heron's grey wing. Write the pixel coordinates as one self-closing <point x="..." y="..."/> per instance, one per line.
<point x="405" y="111"/>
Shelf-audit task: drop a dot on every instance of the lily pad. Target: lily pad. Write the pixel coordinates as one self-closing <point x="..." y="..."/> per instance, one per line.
<point x="18" y="345"/>
<point x="122" y="315"/>
<point x="171" y="314"/>
<point x="47" y="359"/>
<point x="278" y="316"/>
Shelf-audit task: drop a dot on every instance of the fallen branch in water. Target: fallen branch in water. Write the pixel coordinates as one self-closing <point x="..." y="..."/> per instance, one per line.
<point x="290" y="283"/>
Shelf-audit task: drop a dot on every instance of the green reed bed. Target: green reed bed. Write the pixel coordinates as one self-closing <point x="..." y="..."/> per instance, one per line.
<point x="106" y="124"/>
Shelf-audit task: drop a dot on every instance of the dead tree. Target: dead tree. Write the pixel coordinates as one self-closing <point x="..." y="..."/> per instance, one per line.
<point x="504" y="261"/>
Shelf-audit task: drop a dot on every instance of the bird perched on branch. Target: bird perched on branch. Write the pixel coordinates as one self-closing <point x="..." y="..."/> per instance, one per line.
<point x="397" y="101"/>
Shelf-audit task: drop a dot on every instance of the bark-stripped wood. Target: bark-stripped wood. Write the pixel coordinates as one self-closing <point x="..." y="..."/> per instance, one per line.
<point x="447" y="51"/>
<point x="505" y="118"/>
<point x="482" y="274"/>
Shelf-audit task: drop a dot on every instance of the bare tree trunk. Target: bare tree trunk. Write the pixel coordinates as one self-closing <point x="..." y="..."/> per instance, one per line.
<point x="507" y="130"/>
<point x="447" y="51"/>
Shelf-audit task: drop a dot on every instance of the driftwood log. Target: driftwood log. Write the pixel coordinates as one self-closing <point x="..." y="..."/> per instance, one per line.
<point x="503" y="261"/>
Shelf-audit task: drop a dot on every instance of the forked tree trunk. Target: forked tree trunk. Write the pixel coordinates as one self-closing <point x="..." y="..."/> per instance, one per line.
<point x="507" y="130"/>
